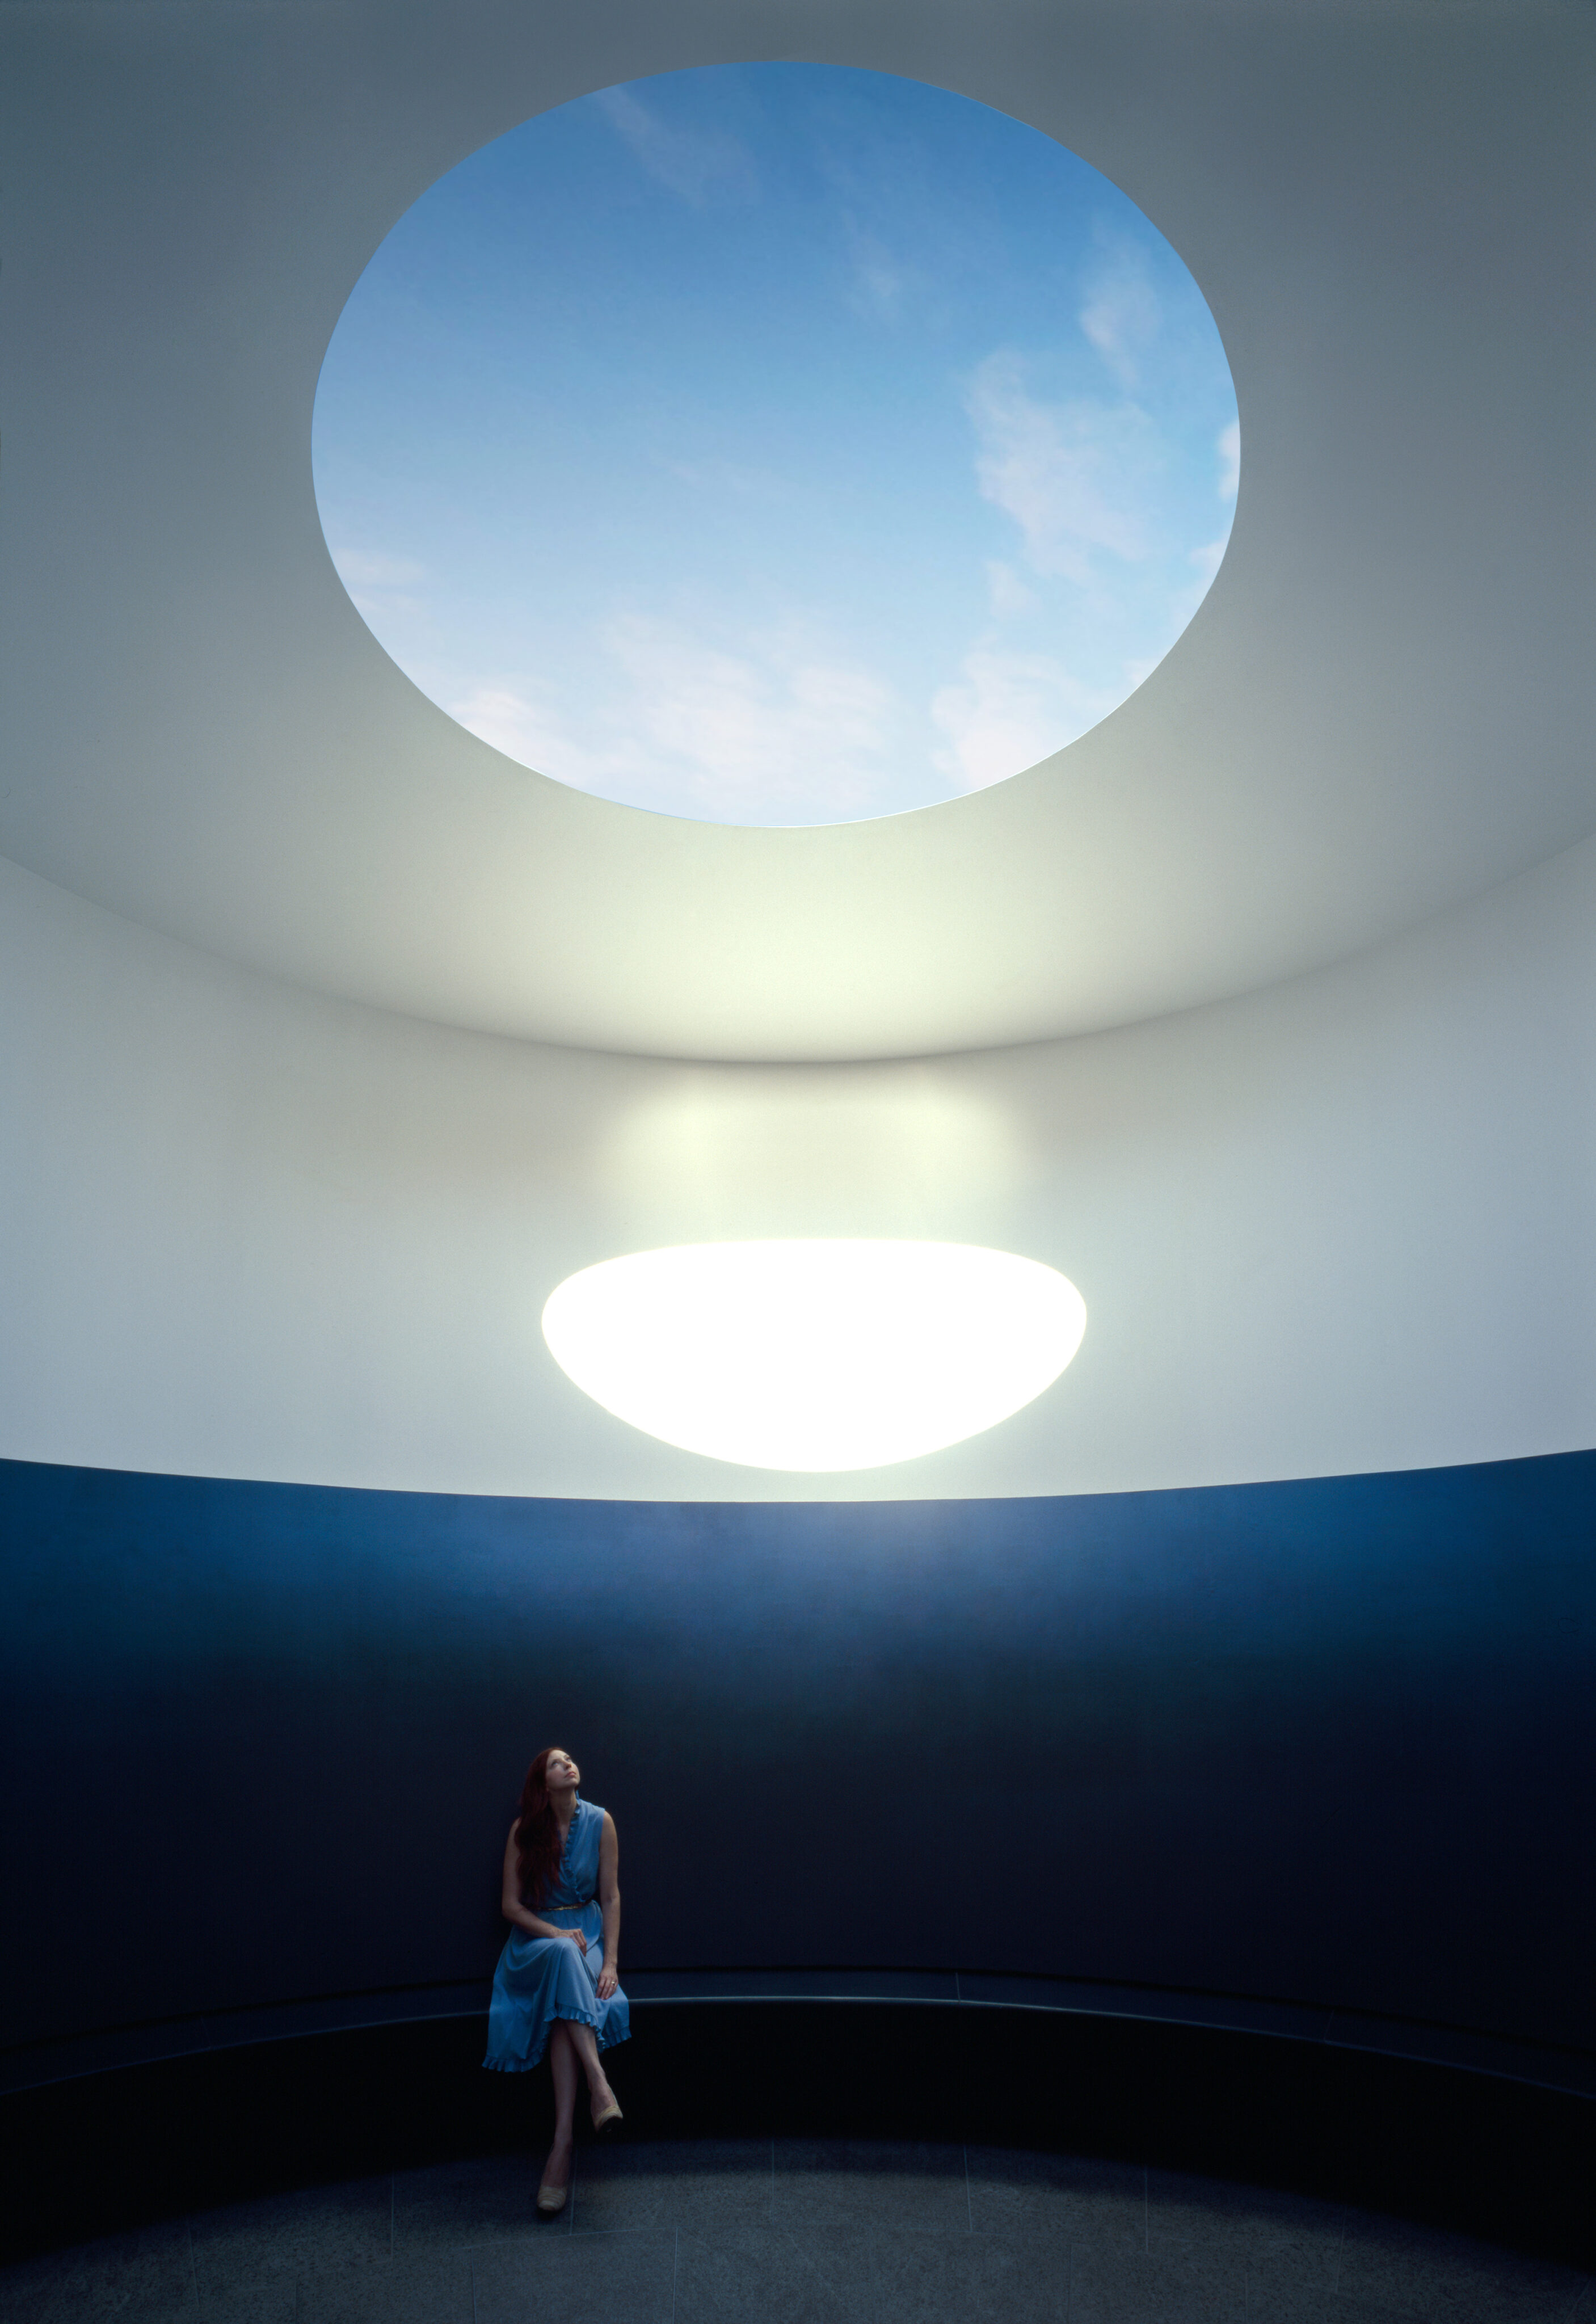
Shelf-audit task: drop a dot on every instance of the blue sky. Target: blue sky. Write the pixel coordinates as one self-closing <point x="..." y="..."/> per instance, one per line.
<point x="776" y="444"/>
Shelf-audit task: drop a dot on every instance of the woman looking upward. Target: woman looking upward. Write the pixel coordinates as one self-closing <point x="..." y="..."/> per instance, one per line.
<point x="557" y="1986"/>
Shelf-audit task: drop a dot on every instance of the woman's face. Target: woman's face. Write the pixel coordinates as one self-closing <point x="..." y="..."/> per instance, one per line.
<point x="561" y="1773"/>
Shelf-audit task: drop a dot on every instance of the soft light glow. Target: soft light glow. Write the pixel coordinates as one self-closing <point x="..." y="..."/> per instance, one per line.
<point x="815" y="1355"/>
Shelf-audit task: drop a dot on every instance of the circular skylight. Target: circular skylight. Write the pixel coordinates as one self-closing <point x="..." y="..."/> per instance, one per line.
<point x="815" y="1355"/>
<point x="776" y="444"/>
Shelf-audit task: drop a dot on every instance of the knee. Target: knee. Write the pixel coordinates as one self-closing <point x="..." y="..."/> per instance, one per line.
<point x="570" y="1981"/>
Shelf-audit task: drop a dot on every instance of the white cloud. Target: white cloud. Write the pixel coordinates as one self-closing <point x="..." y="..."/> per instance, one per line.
<point x="777" y="721"/>
<point x="880" y="284"/>
<point x="1073" y="475"/>
<point x="1010" y="711"/>
<point x="773" y="730"/>
<point x="1006" y="592"/>
<point x="691" y="163"/>
<point x="733" y="477"/>
<point x="1230" y="460"/>
<point x="378" y="586"/>
<point x="508" y="718"/>
<point x="360" y="569"/>
<point x="1209" y="558"/>
<point x="1122" y="316"/>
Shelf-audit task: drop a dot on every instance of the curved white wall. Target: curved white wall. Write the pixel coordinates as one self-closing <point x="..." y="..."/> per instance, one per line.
<point x="1345" y="1224"/>
<point x="1383" y="706"/>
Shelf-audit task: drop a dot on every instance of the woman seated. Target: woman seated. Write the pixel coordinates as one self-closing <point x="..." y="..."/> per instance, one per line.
<point x="551" y="1989"/>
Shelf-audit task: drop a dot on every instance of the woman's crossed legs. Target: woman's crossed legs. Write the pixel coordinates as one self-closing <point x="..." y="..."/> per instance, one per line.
<point x="573" y="2051"/>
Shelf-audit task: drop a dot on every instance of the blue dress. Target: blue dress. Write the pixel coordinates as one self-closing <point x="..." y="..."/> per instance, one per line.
<point x="540" y="1978"/>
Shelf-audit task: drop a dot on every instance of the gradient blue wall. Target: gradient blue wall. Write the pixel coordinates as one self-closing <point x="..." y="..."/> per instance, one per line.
<point x="1328" y="1740"/>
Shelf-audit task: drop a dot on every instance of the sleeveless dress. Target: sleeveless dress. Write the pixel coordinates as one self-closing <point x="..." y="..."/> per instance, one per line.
<point x="540" y="1978"/>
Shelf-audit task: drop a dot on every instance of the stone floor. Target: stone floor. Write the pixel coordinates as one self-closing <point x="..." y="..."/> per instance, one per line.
<point x="794" y="2232"/>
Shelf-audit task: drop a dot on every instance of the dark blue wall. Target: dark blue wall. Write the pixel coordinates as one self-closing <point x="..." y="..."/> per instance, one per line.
<point x="1330" y="1740"/>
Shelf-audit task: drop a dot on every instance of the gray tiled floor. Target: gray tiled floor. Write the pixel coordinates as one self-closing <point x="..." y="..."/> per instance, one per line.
<point x="800" y="2231"/>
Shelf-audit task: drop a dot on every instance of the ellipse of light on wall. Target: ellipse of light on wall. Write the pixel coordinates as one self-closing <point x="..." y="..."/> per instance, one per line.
<point x="815" y="1355"/>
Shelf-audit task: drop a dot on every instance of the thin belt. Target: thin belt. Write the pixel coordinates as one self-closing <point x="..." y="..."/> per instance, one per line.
<point x="570" y="1908"/>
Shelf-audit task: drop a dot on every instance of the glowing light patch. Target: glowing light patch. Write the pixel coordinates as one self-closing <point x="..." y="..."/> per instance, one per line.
<point x="815" y="1355"/>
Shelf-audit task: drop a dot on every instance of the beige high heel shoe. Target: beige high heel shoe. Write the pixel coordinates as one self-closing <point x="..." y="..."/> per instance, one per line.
<point x="608" y="2119"/>
<point x="551" y="2199"/>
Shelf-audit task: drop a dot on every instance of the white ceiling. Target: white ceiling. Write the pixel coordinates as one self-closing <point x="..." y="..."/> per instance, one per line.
<point x="1383" y="706"/>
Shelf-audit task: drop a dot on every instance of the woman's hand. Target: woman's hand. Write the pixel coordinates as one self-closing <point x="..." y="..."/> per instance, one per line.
<point x="609" y="1982"/>
<point x="578" y="1940"/>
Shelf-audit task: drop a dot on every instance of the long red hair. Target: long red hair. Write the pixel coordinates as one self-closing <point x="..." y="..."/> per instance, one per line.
<point x="538" y="1843"/>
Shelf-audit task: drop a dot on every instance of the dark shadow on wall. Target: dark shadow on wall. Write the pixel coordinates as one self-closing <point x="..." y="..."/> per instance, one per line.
<point x="1328" y="1740"/>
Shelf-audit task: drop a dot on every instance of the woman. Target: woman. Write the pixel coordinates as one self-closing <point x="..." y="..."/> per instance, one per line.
<point x="547" y="1992"/>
